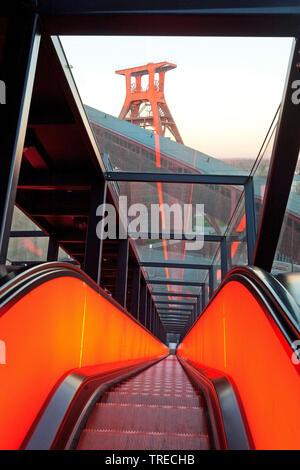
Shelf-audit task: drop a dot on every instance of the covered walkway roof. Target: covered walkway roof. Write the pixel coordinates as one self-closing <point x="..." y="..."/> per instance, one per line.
<point x="65" y="165"/>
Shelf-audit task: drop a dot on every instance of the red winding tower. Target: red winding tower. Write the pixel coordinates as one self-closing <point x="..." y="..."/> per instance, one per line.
<point x="147" y="107"/>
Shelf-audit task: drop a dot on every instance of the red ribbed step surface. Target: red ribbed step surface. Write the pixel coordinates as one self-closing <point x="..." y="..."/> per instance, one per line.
<point x="158" y="409"/>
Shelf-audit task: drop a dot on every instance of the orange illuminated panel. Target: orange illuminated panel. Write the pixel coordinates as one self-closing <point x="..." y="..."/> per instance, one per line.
<point x="59" y="326"/>
<point x="235" y="336"/>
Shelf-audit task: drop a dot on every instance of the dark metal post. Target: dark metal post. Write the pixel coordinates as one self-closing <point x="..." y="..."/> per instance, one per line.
<point x="282" y="167"/>
<point x="198" y="305"/>
<point x="250" y="218"/>
<point x="156" y="321"/>
<point x="211" y="281"/>
<point x="94" y="244"/>
<point x="143" y="302"/>
<point x="17" y="72"/>
<point x="148" y="320"/>
<point x="194" y="313"/>
<point x="151" y="328"/>
<point x="135" y="291"/>
<point x="121" y="281"/>
<point x="53" y="247"/>
<point x="228" y="249"/>
<point x="224" y="263"/>
<point x="203" y="296"/>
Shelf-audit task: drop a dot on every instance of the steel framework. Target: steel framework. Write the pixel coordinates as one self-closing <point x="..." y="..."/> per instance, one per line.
<point x="147" y="106"/>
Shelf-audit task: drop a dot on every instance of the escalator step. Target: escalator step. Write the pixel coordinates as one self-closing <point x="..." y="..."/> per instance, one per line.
<point x="114" y="440"/>
<point x="147" y="418"/>
<point x="158" y="409"/>
<point x="153" y="399"/>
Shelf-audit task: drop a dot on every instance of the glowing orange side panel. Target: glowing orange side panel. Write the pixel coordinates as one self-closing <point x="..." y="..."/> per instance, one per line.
<point x="61" y="325"/>
<point x="235" y="336"/>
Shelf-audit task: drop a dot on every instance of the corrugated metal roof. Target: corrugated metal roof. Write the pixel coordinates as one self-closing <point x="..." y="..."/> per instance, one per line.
<point x="203" y="162"/>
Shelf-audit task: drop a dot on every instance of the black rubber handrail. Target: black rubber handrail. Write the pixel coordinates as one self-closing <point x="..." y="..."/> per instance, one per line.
<point x="27" y="280"/>
<point x="271" y="294"/>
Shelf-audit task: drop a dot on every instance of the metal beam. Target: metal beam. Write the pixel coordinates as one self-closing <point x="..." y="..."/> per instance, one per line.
<point x="175" y="305"/>
<point x="250" y="219"/>
<point x="167" y="18"/>
<point x="39" y="181"/>
<point x="175" y="320"/>
<point x="170" y="264"/>
<point x="122" y="272"/>
<point x="174" y="315"/>
<point x="194" y="314"/>
<point x="71" y="236"/>
<point x="174" y="283"/>
<point x="164" y="309"/>
<point x="53" y="247"/>
<point x="173" y="302"/>
<point x="224" y="258"/>
<point x="198" y="308"/>
<point x="173" y="294"/>
<point x="148" y="317"/>
<point x="203" y="296"/>
<point x="135" y="291"/>
<point x="282" y="167"/>
<point x="94" y="245"/>
<point x="18" y="67"/>
<point x="182" y="178"/>
<point x="179" y="319"/>
<point x="211" y="282"/>
<point x="174" y="236"/>
<point x="143" y="302"/>
<point x="28" y="233"/>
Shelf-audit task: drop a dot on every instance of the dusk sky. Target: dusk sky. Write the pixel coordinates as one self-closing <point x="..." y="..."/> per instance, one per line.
<point x="223" y="93"/>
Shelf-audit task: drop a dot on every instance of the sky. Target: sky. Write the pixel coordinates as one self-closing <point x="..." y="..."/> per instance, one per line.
<point x="223" y="94"/>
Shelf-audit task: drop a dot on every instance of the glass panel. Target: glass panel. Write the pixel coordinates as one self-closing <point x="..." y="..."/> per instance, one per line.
<point x="217" y="273"/>
<point x="287" y="257"/>
<point x="30" y="249"/>
<point x="129" y="148"/>
<point x="237" y="237"/>
<point x="194" y="275"/>
<point x="24" y="249"/>
<point x="261" y="169"/>
<point x="219" y="202"/>
<point x="218" y="126"/>
<point x="64" y="257"/>
<point x="220" y="121"/>
<point x="20" y="221"/>
<point x="174" y="288"/>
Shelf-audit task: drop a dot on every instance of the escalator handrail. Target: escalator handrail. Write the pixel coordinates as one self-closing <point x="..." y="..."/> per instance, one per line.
<point x="229" y="427"/>
<point x="61" y="419"/>
<point x="31" y="278"/>
<point x="269" y="292"/>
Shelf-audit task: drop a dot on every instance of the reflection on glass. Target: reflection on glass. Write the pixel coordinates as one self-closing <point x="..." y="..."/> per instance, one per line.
<point x="261" y="167"/>
<point x="130" y="148"/>
<point x="27" y="249"/>
<point x="236" y="236"/>
<point x="20" y="221"/>
<point x="136" y="135"/>
<point x="287" y="257"/>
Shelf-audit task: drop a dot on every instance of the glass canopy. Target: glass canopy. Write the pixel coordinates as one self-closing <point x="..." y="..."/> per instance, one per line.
<point x="219" y="102"/>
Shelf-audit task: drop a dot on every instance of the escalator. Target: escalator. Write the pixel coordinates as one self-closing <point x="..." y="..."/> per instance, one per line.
<point x="93" y="377"/>
<point x="157" y="409"/>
